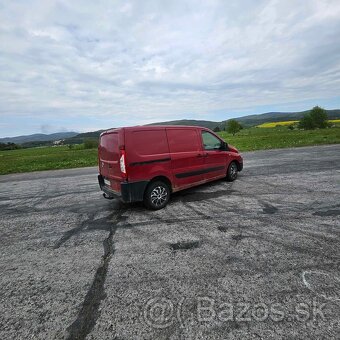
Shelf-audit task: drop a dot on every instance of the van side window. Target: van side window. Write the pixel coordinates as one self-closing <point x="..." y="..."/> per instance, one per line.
<point x="210" y="142"/>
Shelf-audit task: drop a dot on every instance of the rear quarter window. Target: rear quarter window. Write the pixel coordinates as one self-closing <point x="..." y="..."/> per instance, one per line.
<point x="183" y="140"/>
<point x="150" y="142"/>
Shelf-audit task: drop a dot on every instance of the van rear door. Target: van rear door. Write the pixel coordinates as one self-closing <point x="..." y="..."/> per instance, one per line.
<point x="108" y="157"/>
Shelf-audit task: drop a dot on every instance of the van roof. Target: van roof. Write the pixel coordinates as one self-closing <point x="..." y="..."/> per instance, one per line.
<point x="152" y="127"/>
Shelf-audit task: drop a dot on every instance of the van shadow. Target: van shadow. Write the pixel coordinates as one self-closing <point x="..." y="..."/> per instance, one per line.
<point x="197" y="194"/>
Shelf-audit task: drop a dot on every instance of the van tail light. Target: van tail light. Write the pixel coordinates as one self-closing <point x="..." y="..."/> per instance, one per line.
<point x="122" y="164"/>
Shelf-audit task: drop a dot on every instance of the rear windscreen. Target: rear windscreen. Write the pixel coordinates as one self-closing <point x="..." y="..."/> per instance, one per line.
<point x="109" y="146"/>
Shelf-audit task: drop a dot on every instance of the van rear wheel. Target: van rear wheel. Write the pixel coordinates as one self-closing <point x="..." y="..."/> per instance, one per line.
<point x="157" y="195"/>
<point x="232" y="172"/>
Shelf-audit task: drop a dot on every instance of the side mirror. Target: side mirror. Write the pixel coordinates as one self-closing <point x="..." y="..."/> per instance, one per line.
<point x="224" y="146"/>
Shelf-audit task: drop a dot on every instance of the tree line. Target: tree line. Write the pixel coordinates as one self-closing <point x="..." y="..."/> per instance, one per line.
<point x="316" y="118"/>
<point x="9" y="146"/>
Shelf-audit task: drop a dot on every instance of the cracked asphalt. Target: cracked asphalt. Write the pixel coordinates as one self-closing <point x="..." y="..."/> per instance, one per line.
<point x="254" y="259"/>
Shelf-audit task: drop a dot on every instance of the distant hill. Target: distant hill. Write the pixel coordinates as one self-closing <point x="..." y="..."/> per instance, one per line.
<point x="280" y="116"/>
<point x="251" y="120"/>
<point x="79" y="138"/>
<point x="38" y="137"/>
<point x="206" y="123"/>
<point x="246" y="121"/>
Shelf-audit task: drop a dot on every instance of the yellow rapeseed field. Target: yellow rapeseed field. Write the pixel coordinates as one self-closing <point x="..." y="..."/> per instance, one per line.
<point x="273" y="124"/>
<point x="289" y="122"/>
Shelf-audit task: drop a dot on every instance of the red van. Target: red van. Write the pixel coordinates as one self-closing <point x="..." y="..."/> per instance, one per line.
<point x="148" y="163"/>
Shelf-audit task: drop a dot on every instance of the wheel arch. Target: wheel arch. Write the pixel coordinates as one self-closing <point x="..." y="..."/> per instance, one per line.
<point x="163" y="179"/>
<point x="238" y="164"/>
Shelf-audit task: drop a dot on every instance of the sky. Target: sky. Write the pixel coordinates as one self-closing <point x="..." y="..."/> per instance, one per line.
<point x="89" y="65"/>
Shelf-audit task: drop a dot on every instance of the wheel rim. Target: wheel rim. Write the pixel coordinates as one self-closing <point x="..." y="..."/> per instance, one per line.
<point x="158" y="196"/>
<point x="233" y="170"/>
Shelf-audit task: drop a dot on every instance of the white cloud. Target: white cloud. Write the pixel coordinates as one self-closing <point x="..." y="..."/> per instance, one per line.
<point x="134" y="62"/>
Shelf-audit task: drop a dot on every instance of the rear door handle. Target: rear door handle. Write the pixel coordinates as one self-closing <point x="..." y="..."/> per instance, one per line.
<point x="200" y="155"/>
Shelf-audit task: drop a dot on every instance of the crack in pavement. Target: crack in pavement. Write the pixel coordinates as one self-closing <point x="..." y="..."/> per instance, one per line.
<point x="68" y="234"/>
<point x="238" y="237"/>
<point x="185" y="245"/>
<point x="91" y="223"/>
<point x="331" y="212"/>
<point x="268" y="208"/>
<point x="89" y="312"/>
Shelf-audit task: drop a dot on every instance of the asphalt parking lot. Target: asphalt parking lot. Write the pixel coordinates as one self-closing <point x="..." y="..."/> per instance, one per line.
<point x="256" y="258"/>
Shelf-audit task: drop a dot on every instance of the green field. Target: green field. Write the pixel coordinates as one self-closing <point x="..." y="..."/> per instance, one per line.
<point x="46" y="158"/>
<point x="61" y="157"/>
<point x="280" y="137"/>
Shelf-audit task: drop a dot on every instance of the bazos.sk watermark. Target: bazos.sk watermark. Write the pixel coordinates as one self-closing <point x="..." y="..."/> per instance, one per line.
<point x="160" y="312"/>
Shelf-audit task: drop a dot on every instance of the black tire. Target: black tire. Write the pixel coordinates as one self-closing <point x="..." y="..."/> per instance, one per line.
<point x="156" y="195"/>
<point x="232" y="172"/>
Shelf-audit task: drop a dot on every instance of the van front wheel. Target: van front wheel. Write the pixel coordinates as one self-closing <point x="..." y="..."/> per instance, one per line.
<point x="156" y="195"/>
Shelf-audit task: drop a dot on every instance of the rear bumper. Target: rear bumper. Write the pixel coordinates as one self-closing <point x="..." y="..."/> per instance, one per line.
<point x="130" y="192"/>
